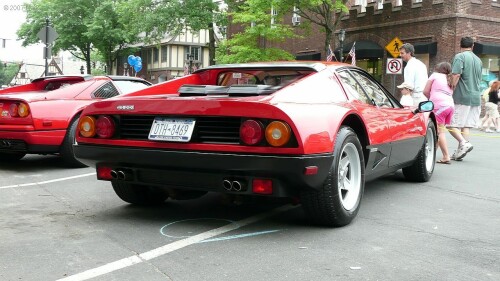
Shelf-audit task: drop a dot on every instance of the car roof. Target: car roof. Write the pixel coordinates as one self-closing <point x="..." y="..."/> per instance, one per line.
<point x="313" y="65"/>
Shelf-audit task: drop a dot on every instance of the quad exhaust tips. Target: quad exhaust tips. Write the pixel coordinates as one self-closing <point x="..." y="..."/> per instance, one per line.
<point x="233" y="185"/>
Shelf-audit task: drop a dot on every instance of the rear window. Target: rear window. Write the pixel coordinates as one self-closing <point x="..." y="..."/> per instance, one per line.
<point x="126" y="87"/>
<point x="270" y="77"/>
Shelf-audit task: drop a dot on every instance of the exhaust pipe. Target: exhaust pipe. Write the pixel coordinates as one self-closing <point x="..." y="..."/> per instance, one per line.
<point x="121" y="175"/>
<point x="233" y="185"/>
<point x="114" y="174"/>
<point x="227" y="185"/>
<point x="236" y="186"/>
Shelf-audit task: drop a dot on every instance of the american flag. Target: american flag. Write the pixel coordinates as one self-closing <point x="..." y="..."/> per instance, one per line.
<point x="330" y="55"/>
<point x="352" y="53"/>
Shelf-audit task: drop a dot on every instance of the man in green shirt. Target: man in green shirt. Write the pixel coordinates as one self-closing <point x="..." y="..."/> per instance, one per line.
<point x="466" y="78"/>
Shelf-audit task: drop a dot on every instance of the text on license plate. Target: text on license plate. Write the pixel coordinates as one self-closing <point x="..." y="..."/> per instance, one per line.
<point x="172" y="129"/>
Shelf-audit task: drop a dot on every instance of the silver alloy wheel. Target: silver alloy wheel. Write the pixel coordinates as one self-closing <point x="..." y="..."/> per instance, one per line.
<point x="349" y="176"/>
<point x="429" y="148"/>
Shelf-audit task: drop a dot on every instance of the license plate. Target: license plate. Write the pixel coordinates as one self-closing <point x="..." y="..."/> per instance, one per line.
<point x="171" y="129"/>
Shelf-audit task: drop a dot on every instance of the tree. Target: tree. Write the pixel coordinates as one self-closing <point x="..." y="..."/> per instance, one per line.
<point x="81" y="25"/>
<point x="324" y="13"/>
<point x="158" y="18"/>
<point x="7" y="72"/>
<point x="261" y="27"/>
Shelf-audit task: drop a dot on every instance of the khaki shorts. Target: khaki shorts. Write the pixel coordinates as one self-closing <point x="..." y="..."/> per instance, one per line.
<point x="491" y="110"/>
<point x="465" y="116"/>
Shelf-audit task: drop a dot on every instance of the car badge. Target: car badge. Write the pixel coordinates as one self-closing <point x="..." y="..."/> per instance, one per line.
<point x="125" y="107"/>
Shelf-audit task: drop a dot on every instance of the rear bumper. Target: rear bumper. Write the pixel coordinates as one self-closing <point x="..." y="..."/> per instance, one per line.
<point x="207" y="171"/>
<point x="32" y="141"/>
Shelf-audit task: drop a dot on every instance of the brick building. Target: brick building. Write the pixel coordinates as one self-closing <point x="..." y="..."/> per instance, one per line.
<point x="433" y="26"/>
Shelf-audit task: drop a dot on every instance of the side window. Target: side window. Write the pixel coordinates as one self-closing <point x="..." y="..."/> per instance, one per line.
<point x="106" y="91"/>
<point x="372" y="89"/>
<point x="353" y="88"/>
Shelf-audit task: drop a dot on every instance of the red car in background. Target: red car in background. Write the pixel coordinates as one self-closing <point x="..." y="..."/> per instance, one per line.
<point x="311" y="131"/>
<point x="41" y="117"/>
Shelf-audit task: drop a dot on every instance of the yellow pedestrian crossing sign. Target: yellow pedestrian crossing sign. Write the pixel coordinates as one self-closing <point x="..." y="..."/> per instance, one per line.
<point x="393" y="47"/>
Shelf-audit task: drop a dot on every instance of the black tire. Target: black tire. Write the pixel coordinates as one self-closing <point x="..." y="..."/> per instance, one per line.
<point x="66" y="151"/>
<point x="139" y="194"/>
<point x="421" y="170"/>
<point x="335" y="203"/>
<point x="11" y="156"/>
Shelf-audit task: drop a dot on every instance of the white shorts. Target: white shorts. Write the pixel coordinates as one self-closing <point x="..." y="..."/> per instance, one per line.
<point x="465" y="116"/>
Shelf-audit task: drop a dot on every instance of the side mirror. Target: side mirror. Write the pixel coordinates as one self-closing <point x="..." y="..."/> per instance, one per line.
<point x="424" y="106"/>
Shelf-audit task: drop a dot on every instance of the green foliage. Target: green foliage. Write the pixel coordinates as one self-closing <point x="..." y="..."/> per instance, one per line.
<point x="256" y="41"/>
<point x="7" y="72"/>
<point x="83" y="26"/>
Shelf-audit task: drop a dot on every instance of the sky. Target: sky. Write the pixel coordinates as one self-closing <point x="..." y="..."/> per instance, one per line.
<point x="12" y="15"/>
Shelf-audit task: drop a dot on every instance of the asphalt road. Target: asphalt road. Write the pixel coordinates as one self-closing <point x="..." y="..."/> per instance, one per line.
<point x="58" y="223"/>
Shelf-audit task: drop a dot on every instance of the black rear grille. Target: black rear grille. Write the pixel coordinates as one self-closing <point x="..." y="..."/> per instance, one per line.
<point x="207" y="129"/>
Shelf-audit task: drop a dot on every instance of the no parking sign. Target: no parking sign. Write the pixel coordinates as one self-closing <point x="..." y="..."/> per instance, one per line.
<point x="394" y="66"/>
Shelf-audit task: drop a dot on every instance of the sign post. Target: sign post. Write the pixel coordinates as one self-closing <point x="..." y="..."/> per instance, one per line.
<point x="394" y="66"/>
<point x="48" y="35"/>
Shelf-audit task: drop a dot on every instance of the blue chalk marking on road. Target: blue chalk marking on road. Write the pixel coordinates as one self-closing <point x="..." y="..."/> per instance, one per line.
<point x="239" y="236"/>
<point x="164" y="230"/>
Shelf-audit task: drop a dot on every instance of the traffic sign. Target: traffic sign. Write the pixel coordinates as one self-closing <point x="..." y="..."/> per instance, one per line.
<point x="47" y="34"/>
<point x="393" y="47"/>
<point x="394" y="66"/>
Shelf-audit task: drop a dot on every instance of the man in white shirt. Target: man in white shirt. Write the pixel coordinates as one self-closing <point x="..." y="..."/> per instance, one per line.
<point x="415" y="72"/>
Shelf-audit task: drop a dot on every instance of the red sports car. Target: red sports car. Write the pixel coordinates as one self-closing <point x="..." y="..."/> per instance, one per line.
<point x="41" y="117"/>
<point x="310" y="131"/>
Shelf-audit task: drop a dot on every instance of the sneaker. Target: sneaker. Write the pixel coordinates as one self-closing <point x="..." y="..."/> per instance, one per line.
<point x="463" y="150"/>
<point x="488" y="130"/>
<point x="454" y="156"/>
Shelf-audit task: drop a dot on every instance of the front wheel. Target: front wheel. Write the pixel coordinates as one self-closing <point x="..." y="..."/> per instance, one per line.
<point x="337" y="202"/>
<point x="422" y="168"/>
<point x="138" y="194"/>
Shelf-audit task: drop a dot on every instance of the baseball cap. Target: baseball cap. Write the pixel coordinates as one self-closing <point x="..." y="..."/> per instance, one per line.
<point x="406" y="85"/>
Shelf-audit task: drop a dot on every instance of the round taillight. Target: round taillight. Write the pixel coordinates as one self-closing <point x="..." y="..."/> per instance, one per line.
<point x="13" y="110"/>
<point x="105" y="127"/>
<point x="23" y="110"/>
<point x="86" y="126"/>
<point x="277" y="133"/>
<point x="251" y="132"/>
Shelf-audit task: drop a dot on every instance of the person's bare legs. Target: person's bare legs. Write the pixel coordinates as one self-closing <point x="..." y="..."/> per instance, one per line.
<point x="442" y="142"/>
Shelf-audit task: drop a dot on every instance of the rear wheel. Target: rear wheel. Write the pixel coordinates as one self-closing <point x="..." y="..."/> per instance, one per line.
<point x="11" y="156"/>
<point x="66" y="151"/>
<point x="139" y="194"/>
<point x="421" y="170"/>
<point x="337" y="202"/>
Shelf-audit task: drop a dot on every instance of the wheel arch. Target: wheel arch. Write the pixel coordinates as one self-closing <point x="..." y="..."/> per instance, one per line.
<point x="354" y="122"/>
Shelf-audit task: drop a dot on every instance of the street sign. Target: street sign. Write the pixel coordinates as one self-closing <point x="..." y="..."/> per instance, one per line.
<point x="394" y="66"/>
<point x="393" y="47"/>
<point x="47" y="34"/>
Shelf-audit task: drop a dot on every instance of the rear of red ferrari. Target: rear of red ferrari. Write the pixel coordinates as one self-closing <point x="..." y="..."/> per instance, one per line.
<point x="244" y="143"/>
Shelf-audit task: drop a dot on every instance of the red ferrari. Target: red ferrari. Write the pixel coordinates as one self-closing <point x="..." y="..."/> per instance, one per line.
<point x="41" y="117"/>
<point x="310" y="131"/>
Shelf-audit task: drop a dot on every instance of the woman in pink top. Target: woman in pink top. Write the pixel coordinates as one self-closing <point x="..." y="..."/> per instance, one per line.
<point x="438" y="90"/>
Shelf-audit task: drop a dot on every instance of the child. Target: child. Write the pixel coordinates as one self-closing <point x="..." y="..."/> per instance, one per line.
<point x="406" y="90"/>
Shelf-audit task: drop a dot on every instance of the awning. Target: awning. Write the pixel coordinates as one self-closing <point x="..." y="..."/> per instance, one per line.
<point x="364" y="50"/>
<point x="425" y="48"/>
<point x="308" y="56"/>
<point x="486" y="48"/>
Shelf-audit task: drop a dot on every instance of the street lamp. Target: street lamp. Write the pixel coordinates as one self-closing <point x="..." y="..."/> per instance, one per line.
<point x="125" y="69"/>
<point x="341" y="39"/>
<point x="82" y="70"/>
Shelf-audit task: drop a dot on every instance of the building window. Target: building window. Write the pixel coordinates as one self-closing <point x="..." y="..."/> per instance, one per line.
<point x="164" y="53"/>
<point x="23" y="75"/>
<point x="155" y="54"/>
<point x="193" y="53"/>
